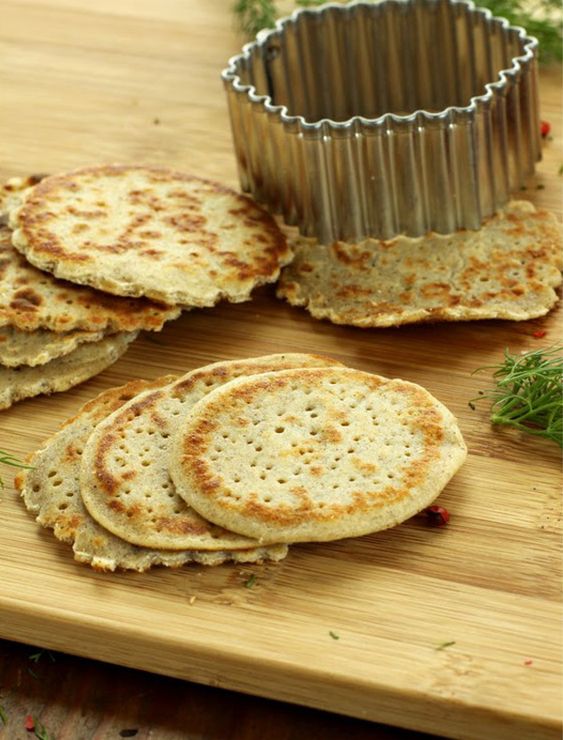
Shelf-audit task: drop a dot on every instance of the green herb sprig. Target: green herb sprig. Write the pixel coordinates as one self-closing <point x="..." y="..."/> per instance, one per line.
<point x="36" y="657"/>
<point x="529" y="393"/>
<point x="41" y="732"/>
<point x="540" y="18"/>
<point x="254" y="15"/>
<point x="444" y="645"/>
<point x="8" y="459"/>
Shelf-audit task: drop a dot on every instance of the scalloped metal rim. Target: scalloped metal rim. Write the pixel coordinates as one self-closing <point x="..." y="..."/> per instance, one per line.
<point x="477" y="193"/>
<point x="229" y="73"/>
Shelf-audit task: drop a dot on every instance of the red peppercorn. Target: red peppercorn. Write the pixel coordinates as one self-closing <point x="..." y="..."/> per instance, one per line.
<point x="539" y="333"/>
<point x="437" y="516"/>
<point x="545" y="128"/>
<point x="29" y="723"/>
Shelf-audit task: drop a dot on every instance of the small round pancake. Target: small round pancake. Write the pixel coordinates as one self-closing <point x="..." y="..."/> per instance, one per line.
<point x="314" y="454"/>
<point x="124" y="479"/>
<point x="31" y="299"/>
<point x="50" y="489"/>
<point x="508" y="269"/>
<point x="149" y="231"/>
<point x="62" y="373"/>
<point x="39" y="347"/>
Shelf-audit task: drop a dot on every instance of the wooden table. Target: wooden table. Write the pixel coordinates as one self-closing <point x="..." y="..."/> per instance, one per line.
<point x="138" y="80"/>
<point x="79" y="699"/>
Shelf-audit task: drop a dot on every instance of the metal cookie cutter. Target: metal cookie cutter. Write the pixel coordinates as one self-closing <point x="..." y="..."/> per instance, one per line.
<point x="375" y="119"/>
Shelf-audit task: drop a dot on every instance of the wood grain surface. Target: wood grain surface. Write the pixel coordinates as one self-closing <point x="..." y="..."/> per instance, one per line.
<point x="138" y="81"/>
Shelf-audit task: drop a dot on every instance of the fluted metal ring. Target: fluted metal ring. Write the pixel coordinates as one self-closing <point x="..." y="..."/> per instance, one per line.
<point x="376" y="119"/>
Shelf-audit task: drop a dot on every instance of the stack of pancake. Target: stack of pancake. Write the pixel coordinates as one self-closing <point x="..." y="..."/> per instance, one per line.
<point x="236" y="460"/>
<point x="90" y="258"/>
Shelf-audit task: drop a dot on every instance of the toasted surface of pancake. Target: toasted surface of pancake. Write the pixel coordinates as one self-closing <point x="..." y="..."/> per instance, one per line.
<point x="31" y="299"/>
<point x="50" y="489"/>
<point x="149" y="231"/>
<point x="41" y="346"/>
<point x="506" y="270"/>
<point x="314" y="454"/>
<point x="124" y="481"/>
<point x="62" y="373"/>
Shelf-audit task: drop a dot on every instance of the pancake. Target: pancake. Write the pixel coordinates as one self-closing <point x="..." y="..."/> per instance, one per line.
<point x="51" y="491"/>
<point x="314" y="454"/>
<point x="41" y="346"/>
<point x="62" y="373"/>
<point x="508" y="269"/>
<point x="149" y="231"/>
<point x="124" y="478"/>
<point x="31" y="299"/>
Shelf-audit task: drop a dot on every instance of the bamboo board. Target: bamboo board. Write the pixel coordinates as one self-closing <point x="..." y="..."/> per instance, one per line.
<point x="138" y="81"/>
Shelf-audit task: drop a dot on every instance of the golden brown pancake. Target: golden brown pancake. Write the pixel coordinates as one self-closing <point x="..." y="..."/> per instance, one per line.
<point x="124" y="480"/>
<point x="314" y="454"/>
<point x="31" y="299"/>
<point x="64" y="372"/>
<point x="149" y="231"/>
<point x="508" y="269"/>
<point x="51" y="490"/>
<point x="39" y="347"/>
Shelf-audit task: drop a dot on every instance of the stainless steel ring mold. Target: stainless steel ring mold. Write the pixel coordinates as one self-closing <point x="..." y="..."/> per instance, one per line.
<point x="375" y="119"/>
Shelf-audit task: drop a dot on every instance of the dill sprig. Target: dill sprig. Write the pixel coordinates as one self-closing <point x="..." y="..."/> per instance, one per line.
<point x="444" y="645"/>
<point x="254" y="15"/>
<point x="540" y="18"/>
<point x="529" y="393"/>
<point x="8" y="459"/>
<point x="40" y="731"/>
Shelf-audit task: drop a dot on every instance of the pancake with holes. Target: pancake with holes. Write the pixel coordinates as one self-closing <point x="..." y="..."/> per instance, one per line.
<point x="149" y="231"/>
<point x="62" y="373"/>
<point x="314" y="454"/>
<point x="508" y="269"/>
<point x="50" y="489"/>
<point x="124" y="478"/>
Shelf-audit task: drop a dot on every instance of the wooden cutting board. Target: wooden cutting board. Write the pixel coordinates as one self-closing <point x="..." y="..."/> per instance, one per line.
<point x="354" y="626"/>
